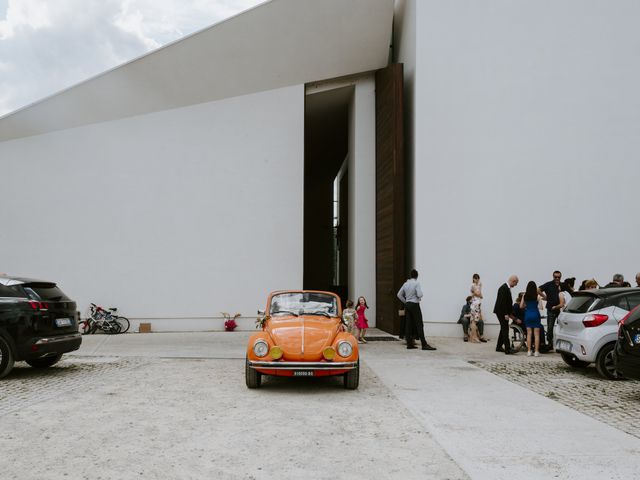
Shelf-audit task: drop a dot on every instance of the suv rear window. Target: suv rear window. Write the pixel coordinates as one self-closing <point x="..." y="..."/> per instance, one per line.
<point x="45" y="291"/>
<point x="581" y="303"/>
<point x="10" y="292"/>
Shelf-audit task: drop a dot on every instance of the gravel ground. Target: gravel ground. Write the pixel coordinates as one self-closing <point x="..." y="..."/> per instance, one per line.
<point x="581" y="389"/>
<point x="129" y="417"/>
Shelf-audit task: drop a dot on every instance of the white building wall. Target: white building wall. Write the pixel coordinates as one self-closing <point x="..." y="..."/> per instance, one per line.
<point x="179" y="214"/>
<point x="526" y="145"/>
<point x="362" y="196"/>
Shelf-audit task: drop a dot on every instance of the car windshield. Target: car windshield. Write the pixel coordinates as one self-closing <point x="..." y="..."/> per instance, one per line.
<point x="304" y="303"/>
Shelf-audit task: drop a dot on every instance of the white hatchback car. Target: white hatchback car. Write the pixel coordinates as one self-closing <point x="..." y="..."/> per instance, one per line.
<point x="587" y="330"/>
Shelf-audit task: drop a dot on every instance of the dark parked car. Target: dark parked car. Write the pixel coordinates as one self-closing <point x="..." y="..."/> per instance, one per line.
<point x="37" y="323"/>
<point x="627" y="353"/>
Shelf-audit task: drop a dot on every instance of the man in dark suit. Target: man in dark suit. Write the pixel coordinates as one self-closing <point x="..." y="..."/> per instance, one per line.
<point x="504" y="311"/>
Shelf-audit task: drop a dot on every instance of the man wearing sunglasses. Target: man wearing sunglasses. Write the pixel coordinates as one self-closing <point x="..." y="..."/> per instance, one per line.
<point x="552" y="291"/>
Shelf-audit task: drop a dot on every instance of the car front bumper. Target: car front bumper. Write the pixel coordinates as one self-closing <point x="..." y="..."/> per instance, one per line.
<point x="303" y="365"/>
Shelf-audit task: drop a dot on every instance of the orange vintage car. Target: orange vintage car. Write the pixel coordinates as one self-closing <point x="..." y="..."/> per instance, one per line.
<point x="302" y="336"/>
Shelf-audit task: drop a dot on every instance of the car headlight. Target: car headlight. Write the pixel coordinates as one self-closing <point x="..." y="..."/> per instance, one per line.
<point x="345" y="349"/>
<point x="260" y="348"/>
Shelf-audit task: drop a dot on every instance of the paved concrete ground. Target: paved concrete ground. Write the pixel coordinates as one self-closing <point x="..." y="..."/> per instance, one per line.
<point x="175" y="406"/>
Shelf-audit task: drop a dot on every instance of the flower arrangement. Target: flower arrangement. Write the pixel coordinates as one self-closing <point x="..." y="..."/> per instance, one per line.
<point x="260" y="321"/>
<point x="230" y="321"/>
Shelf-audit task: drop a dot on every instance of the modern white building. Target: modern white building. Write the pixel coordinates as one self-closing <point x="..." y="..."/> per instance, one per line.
<point x="334" y="144"/>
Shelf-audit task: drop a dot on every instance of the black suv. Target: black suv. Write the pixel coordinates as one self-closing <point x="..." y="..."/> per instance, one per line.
<point x="627" y="352"/>
<point x="37" y="323"/>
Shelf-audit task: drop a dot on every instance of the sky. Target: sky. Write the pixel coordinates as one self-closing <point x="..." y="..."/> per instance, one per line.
<point x="49" y="45"/>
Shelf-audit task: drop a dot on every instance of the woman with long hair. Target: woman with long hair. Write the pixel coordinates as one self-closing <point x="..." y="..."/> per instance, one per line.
<point x="530" y="302"/>
<point x="361" y="322"/>
<point x="476" y="308"/>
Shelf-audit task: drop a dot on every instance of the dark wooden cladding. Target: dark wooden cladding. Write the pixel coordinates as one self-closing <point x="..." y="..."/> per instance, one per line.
<point x="390" y="196"/>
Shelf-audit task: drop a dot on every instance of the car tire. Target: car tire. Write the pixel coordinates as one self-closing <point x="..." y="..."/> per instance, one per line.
<point x="45" y="362"/>
<point x="604" y="362"/>
<point x="6" y="358"/>
<point x="352" y="378"/>
<point x="573" y="361"/>
<point x="252" y="376"/>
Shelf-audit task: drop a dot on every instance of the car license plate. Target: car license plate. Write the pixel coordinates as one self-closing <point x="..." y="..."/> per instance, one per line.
<point x="63" y="322"/>
<point x="563" y="346"/>
<point x="303" y="373"/>
<point x="636" y="339"/>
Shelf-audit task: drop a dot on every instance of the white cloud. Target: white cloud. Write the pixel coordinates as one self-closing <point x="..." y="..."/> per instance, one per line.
<point x="47" y="45"/>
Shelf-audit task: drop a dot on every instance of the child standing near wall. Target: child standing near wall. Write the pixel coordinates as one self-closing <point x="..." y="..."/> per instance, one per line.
<point x="361" y="322"/>
<point x="349" y="317"/>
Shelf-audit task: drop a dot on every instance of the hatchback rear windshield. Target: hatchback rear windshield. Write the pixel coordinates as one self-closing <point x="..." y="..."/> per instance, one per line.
<point x="581" y="304"/>
<point x="45" y="291"/>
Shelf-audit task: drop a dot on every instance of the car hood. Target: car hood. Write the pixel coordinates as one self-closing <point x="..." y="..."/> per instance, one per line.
<point x="303" y="337"/>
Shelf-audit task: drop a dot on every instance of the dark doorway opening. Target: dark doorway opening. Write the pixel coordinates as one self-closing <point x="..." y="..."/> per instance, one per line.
<point x="326" y="190"/>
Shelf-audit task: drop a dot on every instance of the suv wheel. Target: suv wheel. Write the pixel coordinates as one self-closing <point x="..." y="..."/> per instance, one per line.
<point x="573" y="361"/>
<point x="604" y="362"/>
<point x="45" y="362"/>
<point x="6" y="358"/>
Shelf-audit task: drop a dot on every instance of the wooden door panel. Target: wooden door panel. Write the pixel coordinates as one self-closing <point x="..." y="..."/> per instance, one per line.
<point x="390" y="196"/>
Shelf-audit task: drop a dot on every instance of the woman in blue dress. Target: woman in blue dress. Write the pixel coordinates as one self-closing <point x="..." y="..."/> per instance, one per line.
<point x="530" y="303"/>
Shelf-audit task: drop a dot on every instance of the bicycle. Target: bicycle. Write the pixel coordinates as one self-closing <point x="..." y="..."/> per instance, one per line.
<point x="105" y="320"/>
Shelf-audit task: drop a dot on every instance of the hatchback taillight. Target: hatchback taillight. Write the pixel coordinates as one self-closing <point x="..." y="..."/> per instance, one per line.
<point x="594" y="320"/>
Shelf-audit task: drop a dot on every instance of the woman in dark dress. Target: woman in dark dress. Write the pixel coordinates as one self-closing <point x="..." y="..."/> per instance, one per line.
<point x="530" y="302"/>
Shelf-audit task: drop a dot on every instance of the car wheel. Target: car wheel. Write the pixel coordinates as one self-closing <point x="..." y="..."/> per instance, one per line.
<point x="605" y="364"/>
<point x="252" y="376"/>
<point x="352" y="378"/>
<point x="573" y="361"/>
<point x="45" y="362"/>
<point x="6" y="358"/>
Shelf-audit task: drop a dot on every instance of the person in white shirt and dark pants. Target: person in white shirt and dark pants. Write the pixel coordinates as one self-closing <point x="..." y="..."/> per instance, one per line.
<point x="411" y="294"/>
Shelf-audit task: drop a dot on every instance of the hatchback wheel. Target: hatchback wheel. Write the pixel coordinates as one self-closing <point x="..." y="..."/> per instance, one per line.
<point x="6" y="358"/>
<point x="573" y="361"/>
<point x="605" y="364"/>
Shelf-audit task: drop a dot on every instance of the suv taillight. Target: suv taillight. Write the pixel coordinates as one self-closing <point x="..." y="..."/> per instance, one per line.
<point x="37" y="306"/>
<point x="594" y="320"/>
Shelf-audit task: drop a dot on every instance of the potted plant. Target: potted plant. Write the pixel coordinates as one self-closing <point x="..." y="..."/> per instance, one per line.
<point x="230" y="321"/>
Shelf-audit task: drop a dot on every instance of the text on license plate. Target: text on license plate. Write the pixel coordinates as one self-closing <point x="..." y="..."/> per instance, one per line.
<point x="63" y="322"/>
<point x="302" y="373"/>
<point x="564" y="345"/>
<point x="636" y="339"/>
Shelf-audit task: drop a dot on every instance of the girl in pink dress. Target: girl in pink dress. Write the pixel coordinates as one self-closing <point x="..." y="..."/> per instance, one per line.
<point x="361" y="321"/>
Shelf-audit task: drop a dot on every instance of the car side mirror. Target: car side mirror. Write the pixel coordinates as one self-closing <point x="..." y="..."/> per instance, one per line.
<point x="260" y="312"/>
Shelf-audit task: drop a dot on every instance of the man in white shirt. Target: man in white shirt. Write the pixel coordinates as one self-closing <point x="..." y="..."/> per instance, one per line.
<point x="411" y="294"/>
